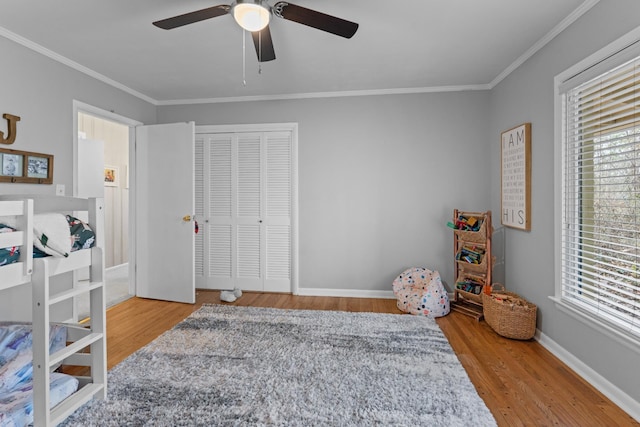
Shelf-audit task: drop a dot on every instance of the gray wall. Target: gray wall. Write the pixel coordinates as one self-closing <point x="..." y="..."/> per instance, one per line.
<point x="379" y="177"/>
<point x="41" y="91"/>
<point x="527" y="96"/>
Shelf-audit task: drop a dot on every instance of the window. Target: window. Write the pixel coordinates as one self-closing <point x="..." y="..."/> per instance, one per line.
<point x="600" y="231"/>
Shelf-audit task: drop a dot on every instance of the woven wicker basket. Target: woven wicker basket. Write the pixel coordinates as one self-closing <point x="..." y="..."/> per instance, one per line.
<point x="477" y="298"/>
<point x="509" y="314"/>
<point x="479" y="236"/>
<point x="478" y="268"/>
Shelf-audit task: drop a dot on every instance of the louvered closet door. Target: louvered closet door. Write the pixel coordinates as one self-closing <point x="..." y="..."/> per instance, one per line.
<point x="245" y="184"/>
<point x="248" y="216"/>
<point x="199" y="208"/>
<point x="277" y="211"/>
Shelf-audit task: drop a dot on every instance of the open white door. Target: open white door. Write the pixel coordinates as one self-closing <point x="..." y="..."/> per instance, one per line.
<point x="164" y="199"/>
<point x="90" y="169"/>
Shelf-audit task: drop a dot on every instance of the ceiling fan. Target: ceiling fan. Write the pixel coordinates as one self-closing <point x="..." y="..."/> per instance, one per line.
<point x="254" y="16"/>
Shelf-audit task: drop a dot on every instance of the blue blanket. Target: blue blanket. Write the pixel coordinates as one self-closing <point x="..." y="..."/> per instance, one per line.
<point x="16" y="373"/>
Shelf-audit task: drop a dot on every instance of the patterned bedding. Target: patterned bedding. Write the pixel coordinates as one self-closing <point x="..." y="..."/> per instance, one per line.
<point x="16" y="373"/>
<point x="79" y="236"/>
<point x="16" y="406"/>
<point x="11" y="254"/>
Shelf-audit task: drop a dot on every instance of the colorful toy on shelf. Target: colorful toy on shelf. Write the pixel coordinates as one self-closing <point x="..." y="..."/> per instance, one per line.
<point x="466" y="223"/>
<point x="468" y="284"/>
<point x="470" y="254"/>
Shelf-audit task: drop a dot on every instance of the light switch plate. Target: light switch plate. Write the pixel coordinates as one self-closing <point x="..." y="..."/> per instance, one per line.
<point x="59" y="189"/>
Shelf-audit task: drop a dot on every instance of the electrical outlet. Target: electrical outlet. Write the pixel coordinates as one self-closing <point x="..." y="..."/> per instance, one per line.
<point x="59" y="189"/>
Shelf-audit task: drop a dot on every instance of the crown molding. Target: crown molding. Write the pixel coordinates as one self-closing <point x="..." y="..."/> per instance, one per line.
<point x="339" y="94"/>
<point x="72" y="64"/>
<point x="566" y="22"/>
<point x="563" y="25"/>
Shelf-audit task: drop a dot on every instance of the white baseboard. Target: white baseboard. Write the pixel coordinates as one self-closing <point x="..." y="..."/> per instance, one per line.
<point x="617" y="396"/>
<point x="350" y="293"/>
<point x="124" y="266"/>
<point x="346" y="293"/>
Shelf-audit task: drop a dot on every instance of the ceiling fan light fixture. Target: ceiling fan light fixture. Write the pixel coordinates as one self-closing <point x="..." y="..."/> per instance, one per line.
<point x="252" y="15"/>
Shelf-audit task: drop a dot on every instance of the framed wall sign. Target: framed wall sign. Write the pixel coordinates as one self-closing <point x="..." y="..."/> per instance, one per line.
<point x="515" y="185"/>
<point x="25" y="167"/>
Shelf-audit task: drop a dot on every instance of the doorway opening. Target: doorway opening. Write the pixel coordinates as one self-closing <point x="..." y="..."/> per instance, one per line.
<point x="103" y="142"/>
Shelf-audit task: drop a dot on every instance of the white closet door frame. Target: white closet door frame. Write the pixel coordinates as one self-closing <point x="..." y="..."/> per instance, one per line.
<point x="274" y="127"/>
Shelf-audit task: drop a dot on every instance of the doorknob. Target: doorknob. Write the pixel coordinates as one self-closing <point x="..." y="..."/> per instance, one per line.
<point x="186" y="218"/>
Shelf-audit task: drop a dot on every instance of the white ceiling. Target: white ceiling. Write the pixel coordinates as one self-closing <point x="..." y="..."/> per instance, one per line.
<point x="413" y="45"/>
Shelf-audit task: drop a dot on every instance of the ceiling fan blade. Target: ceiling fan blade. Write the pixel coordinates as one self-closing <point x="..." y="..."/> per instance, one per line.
<point x="191" y="17"/>
<point x="264" y="45"/>
<point x="318" y="20"/>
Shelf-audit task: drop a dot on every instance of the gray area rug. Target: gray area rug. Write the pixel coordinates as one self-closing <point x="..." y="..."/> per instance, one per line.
<point x="240" y="366"/>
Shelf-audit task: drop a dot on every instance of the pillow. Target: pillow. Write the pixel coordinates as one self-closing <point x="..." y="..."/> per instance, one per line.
<point x="82" y="236"/>
<point x="51" y="234"/>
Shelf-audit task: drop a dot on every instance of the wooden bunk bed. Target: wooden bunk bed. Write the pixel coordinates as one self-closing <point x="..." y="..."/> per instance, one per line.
<point x="86" y="343"/>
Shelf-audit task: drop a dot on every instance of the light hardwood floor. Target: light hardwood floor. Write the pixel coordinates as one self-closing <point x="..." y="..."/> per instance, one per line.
<point x="521" y="382"/>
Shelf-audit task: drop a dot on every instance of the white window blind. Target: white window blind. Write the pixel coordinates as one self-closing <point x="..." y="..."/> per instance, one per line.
<point x="601" y="197"/>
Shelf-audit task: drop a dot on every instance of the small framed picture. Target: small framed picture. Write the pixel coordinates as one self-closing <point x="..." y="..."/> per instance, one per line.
<point x="12" y="165"/>
<point x="111" y="176"/>
<point x="25" y="167"/>
<point x="37" y="167"/>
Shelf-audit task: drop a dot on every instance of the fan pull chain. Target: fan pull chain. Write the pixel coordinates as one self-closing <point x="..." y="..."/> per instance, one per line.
<point x="244" y="58"/>
<point x="260" y="52"/>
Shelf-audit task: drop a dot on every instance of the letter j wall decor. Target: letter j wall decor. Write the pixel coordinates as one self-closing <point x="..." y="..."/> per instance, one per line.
<point x="515" y="206"/>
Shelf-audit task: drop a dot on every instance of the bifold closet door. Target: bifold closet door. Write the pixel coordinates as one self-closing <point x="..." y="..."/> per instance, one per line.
<point x="244" y="200"/>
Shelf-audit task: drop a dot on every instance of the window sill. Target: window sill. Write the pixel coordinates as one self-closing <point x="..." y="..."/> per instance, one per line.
<point x="609" y="330"/>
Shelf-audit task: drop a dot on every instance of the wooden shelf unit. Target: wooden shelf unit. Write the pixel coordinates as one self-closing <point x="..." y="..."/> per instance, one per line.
<point x="467" y="302"/>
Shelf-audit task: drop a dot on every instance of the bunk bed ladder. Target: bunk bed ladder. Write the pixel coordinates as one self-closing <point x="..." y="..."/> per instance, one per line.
<point x="93" y="337"/>
<point x="43" y="362"/>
